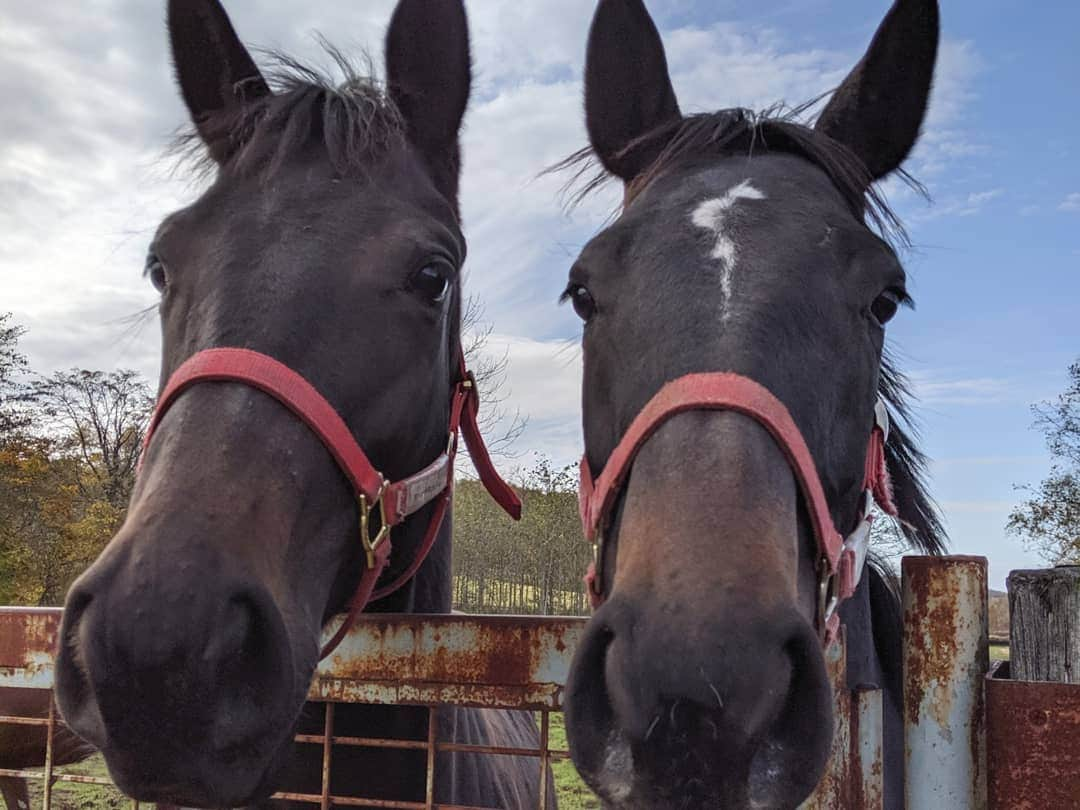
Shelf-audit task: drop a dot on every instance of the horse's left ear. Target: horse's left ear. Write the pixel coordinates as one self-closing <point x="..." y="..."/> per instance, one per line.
<point x="428" y="75"/>
<point x="879" y="109"/>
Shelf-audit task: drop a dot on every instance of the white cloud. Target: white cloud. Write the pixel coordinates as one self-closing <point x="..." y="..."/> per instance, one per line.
<point x="80" y="167"/>
<point x="544" y="382"/>
<point x="1071" y="202"/>
<point x="979" y="198"/>
<point x="934" y="388"/>
<point x="961" y="206"/>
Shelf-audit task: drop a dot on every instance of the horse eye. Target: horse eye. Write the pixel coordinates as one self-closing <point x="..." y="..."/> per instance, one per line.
<point x="155" y="271"/>
<point x="432" y="282"/>
<point x="885" y="306"/>
<point x="582" y="299"/>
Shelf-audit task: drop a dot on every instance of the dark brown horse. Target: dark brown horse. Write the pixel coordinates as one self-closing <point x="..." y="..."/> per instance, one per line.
<point x="329" y="240"/>
<point x="743" y="246"/>
<point x="23" y="747"/>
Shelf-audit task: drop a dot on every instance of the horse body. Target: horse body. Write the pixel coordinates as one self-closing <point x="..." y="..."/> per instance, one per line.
<point x="742" y="249"/>
<point x="328" y="240"/>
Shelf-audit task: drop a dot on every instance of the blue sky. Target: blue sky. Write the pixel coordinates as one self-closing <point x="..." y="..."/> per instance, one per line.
<point x="89" y="105"/>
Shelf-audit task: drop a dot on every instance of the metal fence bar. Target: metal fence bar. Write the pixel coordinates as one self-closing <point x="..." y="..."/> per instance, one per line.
<point x="867" y="749"/>
<point x="544" y="728"/>
<point x="49" y="735"/>
<point x="328" y="749"/>
<point x="946" y="655"/>
<point x="23" y="721"/>
<point x="833" y="791"/>
<point x="57" y="777"/>
<point x="440" y="747"/>
<point x="432" y="746"/>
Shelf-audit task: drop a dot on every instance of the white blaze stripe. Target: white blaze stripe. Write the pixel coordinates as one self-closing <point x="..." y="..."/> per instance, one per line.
<point x="711" y="215"/>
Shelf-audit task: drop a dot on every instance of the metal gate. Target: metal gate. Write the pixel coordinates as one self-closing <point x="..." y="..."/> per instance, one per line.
<point x="522" y="663"/>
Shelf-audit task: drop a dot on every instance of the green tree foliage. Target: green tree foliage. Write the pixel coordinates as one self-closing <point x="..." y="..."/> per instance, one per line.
<point x="1049" y="520"/>
<point x="532" y="567"/>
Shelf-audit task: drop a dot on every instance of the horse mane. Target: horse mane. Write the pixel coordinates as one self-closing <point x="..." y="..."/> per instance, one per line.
<point x="352" y="115"/>
<point x="742" y="131"/>
<point x="920" y="519"/>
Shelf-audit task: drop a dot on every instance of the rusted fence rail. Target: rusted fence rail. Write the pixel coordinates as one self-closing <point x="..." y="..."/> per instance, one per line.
<point x="522" y="663"/>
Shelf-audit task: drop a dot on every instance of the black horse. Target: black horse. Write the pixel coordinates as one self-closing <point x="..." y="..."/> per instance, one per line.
<point x="743" y="246"/>
<point x="329" y="239"/>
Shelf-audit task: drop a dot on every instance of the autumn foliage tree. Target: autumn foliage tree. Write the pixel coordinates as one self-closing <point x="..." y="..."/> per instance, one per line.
<point x="1049" y="520"/>
<point x="68" y="448"/>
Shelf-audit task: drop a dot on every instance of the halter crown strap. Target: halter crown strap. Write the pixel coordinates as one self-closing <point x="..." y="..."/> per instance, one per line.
<point x="841" y="562"/>
<point x="393" y="502"/>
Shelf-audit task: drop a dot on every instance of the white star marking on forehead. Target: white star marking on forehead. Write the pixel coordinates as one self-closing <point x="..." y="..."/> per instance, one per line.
<point x="711" y="215"/>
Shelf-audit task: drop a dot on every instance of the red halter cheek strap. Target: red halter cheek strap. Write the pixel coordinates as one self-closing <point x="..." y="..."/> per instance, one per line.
<point x="842" y="560"/>
<point x="382" y="504"/>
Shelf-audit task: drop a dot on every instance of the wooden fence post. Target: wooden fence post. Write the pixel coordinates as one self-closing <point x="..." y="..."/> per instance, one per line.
<point x="1044" y="618"/>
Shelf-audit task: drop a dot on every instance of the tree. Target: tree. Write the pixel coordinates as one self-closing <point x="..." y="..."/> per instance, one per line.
<point x="13" y="420"/>
<point x="64" y="487"/>
<point x="535" y="566"/>
<point x="1049" y="521"/>
<point x="45" y="537"/>
<point x="101" y="419"/>
<point x="501" y="429"/>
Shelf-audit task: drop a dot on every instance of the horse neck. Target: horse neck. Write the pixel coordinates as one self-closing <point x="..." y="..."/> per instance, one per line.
<point x="433" y="588"/>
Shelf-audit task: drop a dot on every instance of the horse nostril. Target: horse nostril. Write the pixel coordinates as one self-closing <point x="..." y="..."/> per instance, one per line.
<point x="238" y="631"/>
<point x="75" y="696"/>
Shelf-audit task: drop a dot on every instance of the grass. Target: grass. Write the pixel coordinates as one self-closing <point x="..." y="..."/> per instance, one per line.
<point x="571" y="791"/>
<point x="78" y="796"/>
<point x="999" y="652"/>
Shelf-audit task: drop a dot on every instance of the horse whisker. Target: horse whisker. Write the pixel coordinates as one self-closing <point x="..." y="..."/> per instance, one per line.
<point x="652" y="727"/>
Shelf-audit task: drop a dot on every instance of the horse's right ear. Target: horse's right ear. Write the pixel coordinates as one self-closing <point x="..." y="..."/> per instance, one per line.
<point x="216" y="74"/>
<point x="628" y="91"/>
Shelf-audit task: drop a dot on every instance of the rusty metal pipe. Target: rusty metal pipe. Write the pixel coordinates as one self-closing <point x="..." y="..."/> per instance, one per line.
<point x="946" y="655"/>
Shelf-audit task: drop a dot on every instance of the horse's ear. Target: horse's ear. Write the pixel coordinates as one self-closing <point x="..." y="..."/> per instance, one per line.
<point x="216" y="74"/>
<point x="879" y="109"/>
<point x="428" y="76"/>
<point x="628" y="91"/>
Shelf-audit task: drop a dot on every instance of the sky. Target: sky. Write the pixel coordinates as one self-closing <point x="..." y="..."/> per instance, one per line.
<point x="87" y="105"/>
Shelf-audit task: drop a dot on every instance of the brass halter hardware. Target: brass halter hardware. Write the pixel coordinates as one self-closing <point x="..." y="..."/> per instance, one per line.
<point x="371" y="544"/>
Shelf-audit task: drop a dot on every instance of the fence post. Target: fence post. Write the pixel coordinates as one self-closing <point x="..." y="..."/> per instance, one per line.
<point x="946" y="655"/>
<point x="1044" y="625"/>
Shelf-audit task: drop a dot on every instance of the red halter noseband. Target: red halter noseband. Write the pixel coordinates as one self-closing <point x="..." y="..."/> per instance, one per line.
<point x="390" y="502"/>
<point x="842" y="560"/>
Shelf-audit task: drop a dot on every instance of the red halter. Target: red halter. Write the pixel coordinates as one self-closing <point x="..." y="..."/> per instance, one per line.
<point x="842" y="560"/>
<point x="391" y="502"/>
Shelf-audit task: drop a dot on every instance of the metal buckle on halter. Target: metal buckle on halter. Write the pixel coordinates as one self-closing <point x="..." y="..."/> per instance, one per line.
<point x="858" y="543"/>
<point x="597" y="585"/>
<point x="828" y="597"/>
<point x="371" y="544"/>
